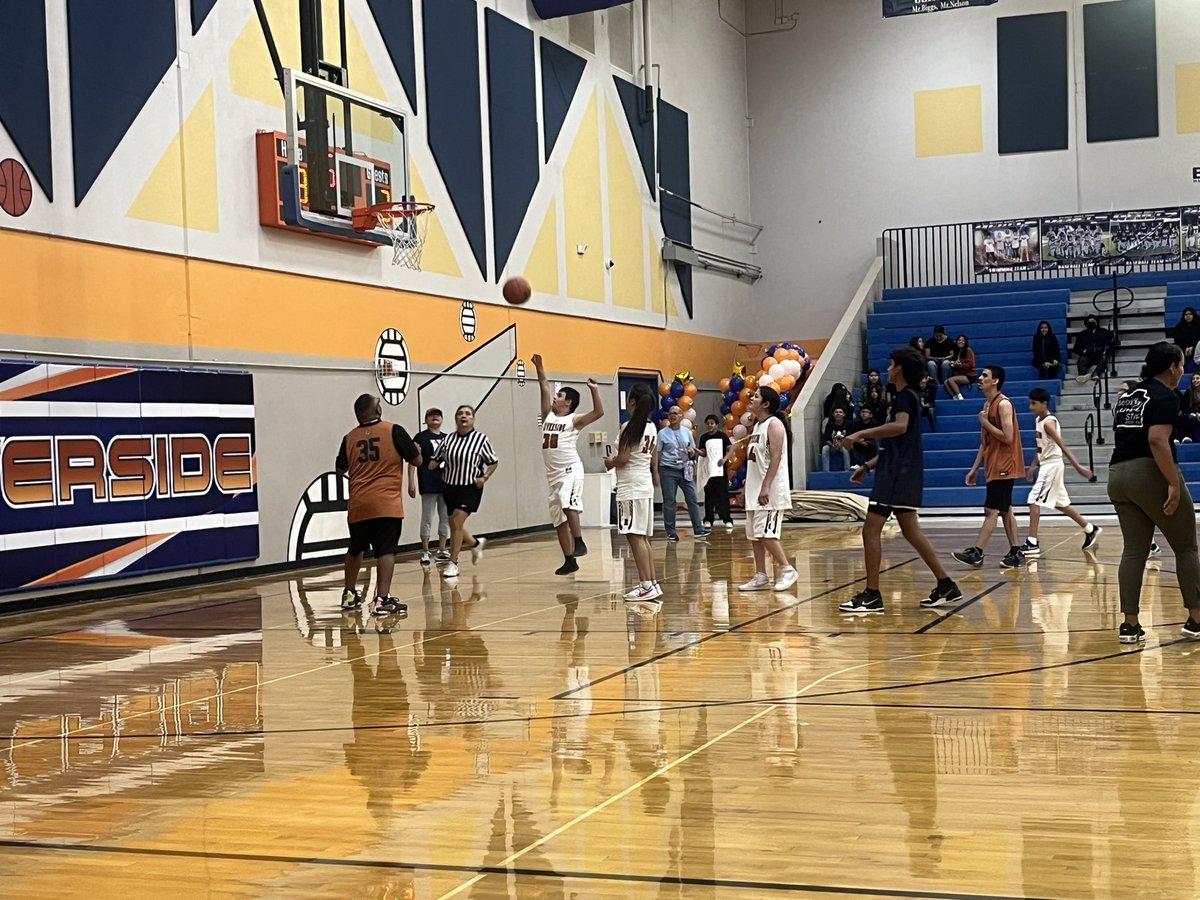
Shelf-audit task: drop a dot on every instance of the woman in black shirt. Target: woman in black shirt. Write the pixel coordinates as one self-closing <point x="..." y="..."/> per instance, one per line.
<point x="1186" y="334"/>
<point x="1047" y="355"/>
<point x="1147" y="488"/>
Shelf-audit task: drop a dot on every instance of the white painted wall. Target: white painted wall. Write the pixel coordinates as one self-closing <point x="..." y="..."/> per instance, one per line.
<point x="832" y="147"/>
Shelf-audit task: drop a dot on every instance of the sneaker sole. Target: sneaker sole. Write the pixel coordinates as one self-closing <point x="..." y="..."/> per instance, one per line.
<point x="756" y="589"/>
<point x="1008" y="565"/>
<point x="860" y="612"/>
<point x="973" y="565"/>
<point x="784" y="587"/>
<point x="1131" y="639"/>
<point x="1190" y="635"/>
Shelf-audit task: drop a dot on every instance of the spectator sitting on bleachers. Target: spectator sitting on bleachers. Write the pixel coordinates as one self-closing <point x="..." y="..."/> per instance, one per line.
<point x="1188" y="426"/>
<point x="1186" y="334"/>
<point x="1047" y="355"/>
<point x="928" y="392"/>
<point x="963" y="363"/>
<point x="1091" y="346"/>
<point x="864" y="451"/>
<point x="917" y="343"/>
<point x="839" y="395"/>
<point x="939" y="351"/>
<point x="835" y="429"/>
<point x="874" y="396"/>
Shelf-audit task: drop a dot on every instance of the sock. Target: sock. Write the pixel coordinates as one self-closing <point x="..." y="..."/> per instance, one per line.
<point x="1033" y="541"/>
<point x="1089" y="528"/>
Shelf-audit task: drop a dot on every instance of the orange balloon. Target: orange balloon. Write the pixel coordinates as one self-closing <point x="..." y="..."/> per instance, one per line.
<point x="794" y="354"/>
<point x="786" y="383"/>
<point x="781" y="354"/>
<point x="723" y="384"/>
<point x="730" y="421"/>
<point x="767" y="362"/>
<point x="738" y="408"/>
<point x="690" y="389"/>
<point x="744" y="394"/>
<point x="751" y="384"/>
<point x="664" y="389"/>
<point x="684" y="402"/>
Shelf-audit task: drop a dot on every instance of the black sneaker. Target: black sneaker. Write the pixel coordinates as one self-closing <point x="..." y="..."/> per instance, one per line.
<point x="1031" y="550"/>
<point x="1131" y="634"/>
<point x="863" y="602"/>
<point x="940" y="596"/>
<point x="569" y="565"/>
<point x="1089" y="539"/>
<point x="1013" y="559"/>
<point x="972" y="556"/>
<point x="388" y="606"/>
<point x="1155" y="550"/>
<point x="580" y="547"/>
<point x="1191" y="629"/>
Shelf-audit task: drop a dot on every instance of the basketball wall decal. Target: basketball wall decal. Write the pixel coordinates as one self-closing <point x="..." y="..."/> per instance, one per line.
<point x="319" y="529"/>
<point x="517" y="290"/>
<point x="466" y="321"/>
<point x="521" y="373"/>
<point x="391" y="367"/>
<point x="16" y="190"/>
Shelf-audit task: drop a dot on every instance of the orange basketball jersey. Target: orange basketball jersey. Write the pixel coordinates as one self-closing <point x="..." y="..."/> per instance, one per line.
<point x="1002" y="461"/>
<point x="376" y="473"/>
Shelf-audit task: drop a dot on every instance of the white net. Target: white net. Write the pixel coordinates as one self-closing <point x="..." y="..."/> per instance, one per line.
<point x="407" y="225"/>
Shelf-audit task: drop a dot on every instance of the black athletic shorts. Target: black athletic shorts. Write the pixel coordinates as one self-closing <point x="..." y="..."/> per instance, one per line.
<point x="887" y="512"/>
<point x="381" y="535"/>
<point x="463" y="496"/>
<point x="999" y="494"/>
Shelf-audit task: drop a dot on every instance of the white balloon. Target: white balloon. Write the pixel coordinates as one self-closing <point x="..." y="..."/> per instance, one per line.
<point x="747" y="420"/>
<point x="777" y="371"/>
<point x="793" y="367"/>
<point x="766" y="380"/>
<point x="740" y="431"/>
<point x="690" y="415"/>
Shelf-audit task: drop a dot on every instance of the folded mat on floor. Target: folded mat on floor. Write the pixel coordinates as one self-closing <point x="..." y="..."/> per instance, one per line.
<point x="826" y="506"/>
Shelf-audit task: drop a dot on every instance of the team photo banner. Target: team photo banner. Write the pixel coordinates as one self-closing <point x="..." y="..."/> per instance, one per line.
<point x="1142" y="237"/>
<point x="917" y="7"/>
<point x="118" y="470"/>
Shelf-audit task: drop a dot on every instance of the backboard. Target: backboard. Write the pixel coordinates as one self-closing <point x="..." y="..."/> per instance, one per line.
<point x="342" y="151"/>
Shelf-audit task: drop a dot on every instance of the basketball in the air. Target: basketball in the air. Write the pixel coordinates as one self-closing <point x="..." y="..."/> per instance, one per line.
<point x="16" y="190"/>
<point x="517" y="290"/>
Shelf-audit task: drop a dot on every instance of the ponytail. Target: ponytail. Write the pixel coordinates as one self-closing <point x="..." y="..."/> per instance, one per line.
<point x="643" y="404"/>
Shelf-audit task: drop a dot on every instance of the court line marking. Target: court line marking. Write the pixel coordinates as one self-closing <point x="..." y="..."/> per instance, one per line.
<point x="716" y="634"/>
<point x="620" y="795"/>
<point x="35" y="846"/>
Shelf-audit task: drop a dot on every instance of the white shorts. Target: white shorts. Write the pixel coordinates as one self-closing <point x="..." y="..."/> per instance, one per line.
<point x="764" y="524"/>
<point x="635" y="517"/>
<point x="1050" y="491"/>
<point x="566" y="492"/>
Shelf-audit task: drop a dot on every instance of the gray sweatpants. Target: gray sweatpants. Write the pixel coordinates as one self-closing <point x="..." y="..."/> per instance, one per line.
<point x="429" y="503"/>
<point x="1138" y="491"/>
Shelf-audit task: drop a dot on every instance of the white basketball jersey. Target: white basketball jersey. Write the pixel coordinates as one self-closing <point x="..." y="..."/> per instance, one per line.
<point x="634" y="479"/>
<point x="758" y="459"/>
<point x="559" y="438"/>
<point x="1048" y="450"/>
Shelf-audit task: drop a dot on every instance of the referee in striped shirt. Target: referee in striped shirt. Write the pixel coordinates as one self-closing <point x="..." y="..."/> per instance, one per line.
<point x="467" y="462"/>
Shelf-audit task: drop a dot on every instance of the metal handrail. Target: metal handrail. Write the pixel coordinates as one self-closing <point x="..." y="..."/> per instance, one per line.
<point x="1089" y="430"/>
<point x="1097" y="387"/>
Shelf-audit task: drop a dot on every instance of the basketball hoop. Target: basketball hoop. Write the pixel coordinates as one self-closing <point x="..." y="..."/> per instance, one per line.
<point x="405" y="221"/>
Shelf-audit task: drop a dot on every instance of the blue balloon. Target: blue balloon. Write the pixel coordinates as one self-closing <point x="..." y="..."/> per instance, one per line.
<point x="676" y="389"/>
<point x="666" y="403"/>
<point x="731" y="396"/>
<point x="726" y="409"/>
<point x="771" y="351"/>
<point x="784" y="399"/>
<point x="787" y="346"/>
<point x="736" y="383"/>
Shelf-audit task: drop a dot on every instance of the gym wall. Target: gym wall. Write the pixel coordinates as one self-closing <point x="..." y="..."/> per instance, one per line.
<point x="141" y="239"/>
<point x="863" y="123"/>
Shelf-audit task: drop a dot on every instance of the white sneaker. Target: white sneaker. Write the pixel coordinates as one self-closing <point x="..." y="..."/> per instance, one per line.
<point x="645" y="592"/>
<point x="786" y="578"/>
<point x="426" y="559"/>
<point x="477" y="550"/>
<point x="451" y="570"/>
<point x="729" y="526"/>
<point x="760" y="582"/>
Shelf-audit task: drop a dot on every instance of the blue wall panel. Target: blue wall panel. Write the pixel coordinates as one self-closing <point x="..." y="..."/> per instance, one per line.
<point x="1120" y="61"/>
<point x="25" y="88"/>
<point x="394" y="19"/>
<point x="512" y="112"/>
<point x="561" y="74"/>
<point x="200" y="11"/>
<point x="675" y="171"/>
<point x="1031" y="82"/>
<point x="641" y="125"/>
<point x="453" y="111"/>
<point x="119" y="53"/>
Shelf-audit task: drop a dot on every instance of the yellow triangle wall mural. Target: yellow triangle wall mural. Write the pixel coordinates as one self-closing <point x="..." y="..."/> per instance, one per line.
<point x="437" y="256"/>
<point x="166" y="197"/>
<point x="624" y="221"/>
<point x="542" y="267"/>
<point x="250" y="72"/>
<point x="584" y="223"/>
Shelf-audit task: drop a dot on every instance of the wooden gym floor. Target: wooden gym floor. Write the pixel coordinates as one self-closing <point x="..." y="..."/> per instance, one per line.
<point x="522" y="735"/>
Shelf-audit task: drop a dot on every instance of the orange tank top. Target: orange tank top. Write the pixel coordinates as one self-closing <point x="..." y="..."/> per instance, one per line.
<point x="376" y="473"/>
<point x="1000" y="460"/>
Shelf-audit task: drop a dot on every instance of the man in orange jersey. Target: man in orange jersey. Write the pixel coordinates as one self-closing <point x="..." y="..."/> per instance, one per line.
<point x="373" y="455"/>
<point x="1003" y="462"/>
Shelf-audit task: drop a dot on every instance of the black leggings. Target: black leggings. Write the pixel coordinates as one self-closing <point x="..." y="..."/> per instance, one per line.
<point x="716" y="499"/>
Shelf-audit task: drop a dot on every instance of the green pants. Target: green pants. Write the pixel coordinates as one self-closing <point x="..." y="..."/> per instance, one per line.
<point x="1138" y="491"/>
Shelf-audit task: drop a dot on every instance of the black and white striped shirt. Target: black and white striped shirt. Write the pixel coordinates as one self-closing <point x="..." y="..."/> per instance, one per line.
<point x="463" y="457"/>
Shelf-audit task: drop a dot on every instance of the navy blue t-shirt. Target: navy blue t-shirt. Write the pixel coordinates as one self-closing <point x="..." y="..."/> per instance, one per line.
<point x="429" y="482"/>
<point x="900" y="472"/>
